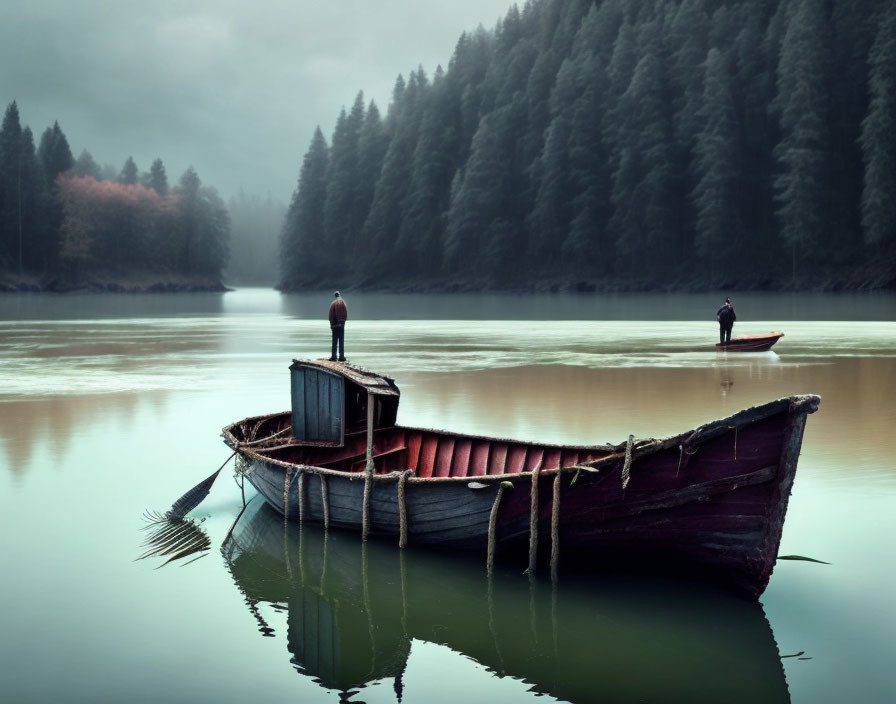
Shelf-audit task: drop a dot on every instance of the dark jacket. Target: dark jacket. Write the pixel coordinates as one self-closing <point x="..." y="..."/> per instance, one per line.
<point x="338" y="312"/>
<point x="726" y="314"/>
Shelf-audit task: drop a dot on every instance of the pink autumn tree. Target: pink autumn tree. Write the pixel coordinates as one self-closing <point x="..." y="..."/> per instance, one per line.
<point x="115" y="227"/>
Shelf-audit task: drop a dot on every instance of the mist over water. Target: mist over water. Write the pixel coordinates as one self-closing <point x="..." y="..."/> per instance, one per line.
<point x="110" y="405"/>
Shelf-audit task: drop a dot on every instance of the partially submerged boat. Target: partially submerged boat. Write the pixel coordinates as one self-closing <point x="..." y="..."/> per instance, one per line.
<point x="711" y="499"/>
<point x="751" y="343"/>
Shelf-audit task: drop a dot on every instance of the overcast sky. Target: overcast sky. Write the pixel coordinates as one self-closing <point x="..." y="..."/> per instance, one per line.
<point x="233" y="87"/>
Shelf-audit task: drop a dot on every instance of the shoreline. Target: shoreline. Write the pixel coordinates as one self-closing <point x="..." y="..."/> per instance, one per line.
<point x="859" y="282"/>
<point x="26" y="284"/>
<point x="605" y="287"/>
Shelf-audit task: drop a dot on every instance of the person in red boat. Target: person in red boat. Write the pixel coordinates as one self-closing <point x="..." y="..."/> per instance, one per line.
<point x="726" y="317"/>
<point x="338" y="314"/>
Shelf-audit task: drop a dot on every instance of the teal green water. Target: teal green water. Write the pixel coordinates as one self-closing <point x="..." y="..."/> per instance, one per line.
<point x="112" y="405"/>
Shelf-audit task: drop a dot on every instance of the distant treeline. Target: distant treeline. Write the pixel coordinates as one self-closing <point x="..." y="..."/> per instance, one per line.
<point x="67" y="222"/>
<point x="620" y="143"/>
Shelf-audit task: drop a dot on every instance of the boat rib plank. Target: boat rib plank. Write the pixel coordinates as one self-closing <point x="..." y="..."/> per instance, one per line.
<point x="415" y="441"/>
<point x="497" y="458"/>
<point x="479" y="458"/>
<point x="534" y="458"/>
<point x="444" y="455"/>
<point x="428" y="451"/>
<point x="461" y="463"/>
<point x="551" y="458"/>
<point x="516" y="459"/>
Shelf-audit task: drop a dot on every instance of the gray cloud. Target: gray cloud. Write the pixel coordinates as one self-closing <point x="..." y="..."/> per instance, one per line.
<point x="232" y="87"/>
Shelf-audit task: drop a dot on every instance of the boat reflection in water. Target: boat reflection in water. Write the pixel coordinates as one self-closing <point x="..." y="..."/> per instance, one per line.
<point x="354" y="608"/>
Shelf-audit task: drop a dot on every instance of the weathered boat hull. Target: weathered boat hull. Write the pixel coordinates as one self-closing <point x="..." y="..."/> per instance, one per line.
<point x="712" y="499"/>
<point x="751" y="343"/>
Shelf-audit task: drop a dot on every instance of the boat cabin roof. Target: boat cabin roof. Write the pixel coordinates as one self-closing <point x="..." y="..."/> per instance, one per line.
<point x="373" y="383"/>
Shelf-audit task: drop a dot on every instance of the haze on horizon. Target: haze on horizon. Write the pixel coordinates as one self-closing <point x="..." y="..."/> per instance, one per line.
<point x="233" y="89"/>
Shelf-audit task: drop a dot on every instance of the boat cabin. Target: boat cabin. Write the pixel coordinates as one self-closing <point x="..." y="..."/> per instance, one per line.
<point x="331" y="400"/>
<point x="330" y="429"/>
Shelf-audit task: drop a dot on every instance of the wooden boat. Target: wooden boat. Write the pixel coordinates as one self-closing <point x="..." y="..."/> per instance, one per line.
<point x="346" y="614"/>
<point x="751" y="343"/>
<point x="711" y="499"/>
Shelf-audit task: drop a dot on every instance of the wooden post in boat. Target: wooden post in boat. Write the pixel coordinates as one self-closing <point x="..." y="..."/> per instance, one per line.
<point x="627" y="465"/>
<point x="368" y="471"/>
<point x="403" y="508"/>
<point x="287" y="480"/>
<point x="493" y="526"/>
<point x="533" y="523"/>
<point x="555" y="527"/>
<point x="325" y="500"/>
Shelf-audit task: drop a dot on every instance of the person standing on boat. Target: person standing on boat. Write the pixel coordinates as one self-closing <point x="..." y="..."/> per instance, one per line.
<point x="338" y="315"/>
<point x="726" y="317"/>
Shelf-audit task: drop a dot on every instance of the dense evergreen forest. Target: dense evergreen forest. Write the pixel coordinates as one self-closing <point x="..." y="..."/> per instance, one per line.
<point x="619" y="144"/>
<point x="68" y="223"/>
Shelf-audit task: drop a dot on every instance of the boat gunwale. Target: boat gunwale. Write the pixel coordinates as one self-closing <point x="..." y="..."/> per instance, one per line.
<point x="777" y="334"/>
<point x="800" y="403"/>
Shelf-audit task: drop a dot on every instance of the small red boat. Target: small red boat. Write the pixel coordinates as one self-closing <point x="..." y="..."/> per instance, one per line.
<point x="751" y="343"/>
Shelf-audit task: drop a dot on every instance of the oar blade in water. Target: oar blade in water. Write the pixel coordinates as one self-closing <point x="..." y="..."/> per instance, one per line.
<point x="192" y="498"/>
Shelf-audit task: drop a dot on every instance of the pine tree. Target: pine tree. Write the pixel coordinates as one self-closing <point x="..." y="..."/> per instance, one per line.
<point x="55" y="158"/>
<point x="34" y="205"/>
<point x="434" y="165"/>
<point x="586" y="248"/>
<point x="129" y="172"/>
<point x="202" y="228"/>
<point x="879" y="138"/>
<point x="54" y="153"/>
<point x="550" y="216"/>
<point x="158" y="179"/>
<point x="373" y="141"/>
<point x="619" y="71"/>
<point x="848" y="101"/>
<point x="644" y="217"/>
<point x="802" y="103"/>
<point x="86" y="166"/>
<point x="687" y="42"/>
<point x="480" y="227"/>
<point x="716" y="160"/>
<point x="387" y="209"/>
<point x="341" y="221"/>
<point x="186" y="244"/>
<point x="752" y="90"/>
<point x="466" y="75"/>
<point x="11" y="188"/>
<point x="303" y="229"/>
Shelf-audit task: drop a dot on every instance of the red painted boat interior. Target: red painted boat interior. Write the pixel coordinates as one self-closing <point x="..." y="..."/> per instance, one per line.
<point x="435" y="454"/>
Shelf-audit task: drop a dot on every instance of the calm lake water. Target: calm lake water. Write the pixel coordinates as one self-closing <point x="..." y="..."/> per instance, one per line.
<point x="113" y="405"/>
